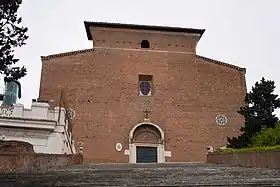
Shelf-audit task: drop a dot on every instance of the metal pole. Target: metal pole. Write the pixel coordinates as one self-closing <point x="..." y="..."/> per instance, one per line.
<point x="60" y="102"/>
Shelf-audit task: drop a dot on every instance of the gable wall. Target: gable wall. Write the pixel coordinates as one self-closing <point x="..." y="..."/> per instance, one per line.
<point x="102" y="87"/>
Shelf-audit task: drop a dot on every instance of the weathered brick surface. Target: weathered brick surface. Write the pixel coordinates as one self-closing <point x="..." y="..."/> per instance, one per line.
<point x="15" y="147"/>
<point x="189" y="92"/>
<point x="24" y="162"/>
<point x="125" y="38"/>
<point x="267" y="159"/>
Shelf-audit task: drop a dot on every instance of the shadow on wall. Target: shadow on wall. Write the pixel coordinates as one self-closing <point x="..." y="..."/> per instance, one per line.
<point x="16" y="156"/>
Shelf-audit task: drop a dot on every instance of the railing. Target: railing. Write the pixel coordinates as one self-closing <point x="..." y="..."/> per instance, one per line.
<point x="6" y="111"/>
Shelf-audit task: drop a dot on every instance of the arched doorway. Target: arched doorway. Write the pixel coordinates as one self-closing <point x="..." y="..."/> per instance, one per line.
<point x="146" y="144"/>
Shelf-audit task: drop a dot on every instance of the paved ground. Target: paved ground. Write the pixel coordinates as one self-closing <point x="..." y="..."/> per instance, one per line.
<point x="195" y="174"/>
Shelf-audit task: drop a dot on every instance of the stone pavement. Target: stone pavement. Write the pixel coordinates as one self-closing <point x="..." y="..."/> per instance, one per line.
<point x="169" y="174"/>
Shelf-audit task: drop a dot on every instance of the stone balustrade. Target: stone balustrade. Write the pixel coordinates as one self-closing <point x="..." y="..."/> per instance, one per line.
<point x="39" y="110"/>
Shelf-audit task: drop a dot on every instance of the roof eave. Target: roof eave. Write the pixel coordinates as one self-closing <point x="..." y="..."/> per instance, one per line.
<point x="143" y="27"/>
<point x="87" y="25"/>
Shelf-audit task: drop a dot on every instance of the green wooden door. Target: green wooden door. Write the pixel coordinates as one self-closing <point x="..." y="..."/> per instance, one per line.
<point x="146" y="154"/>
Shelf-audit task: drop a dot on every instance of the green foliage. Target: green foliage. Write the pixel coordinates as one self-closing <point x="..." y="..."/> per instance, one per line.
<point x="249" y="149"/>
<point x="260" y="104"/>
<point x="12" y="35"/>
<point x="267" y="137"/>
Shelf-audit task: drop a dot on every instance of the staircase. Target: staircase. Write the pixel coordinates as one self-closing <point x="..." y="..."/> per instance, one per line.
<point x="169" y="174"/>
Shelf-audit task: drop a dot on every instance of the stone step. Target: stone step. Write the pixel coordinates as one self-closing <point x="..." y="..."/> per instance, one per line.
<point x="171" y="174"/>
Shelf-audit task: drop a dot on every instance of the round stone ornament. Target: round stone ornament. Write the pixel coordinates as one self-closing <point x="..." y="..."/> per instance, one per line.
<point x="118" y="146"/>
<point x="71" y="113"/>
<point x="221" y="120"/>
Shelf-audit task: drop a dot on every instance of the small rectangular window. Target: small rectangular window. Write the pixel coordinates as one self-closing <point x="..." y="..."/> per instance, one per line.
<point x="145" y="85"/>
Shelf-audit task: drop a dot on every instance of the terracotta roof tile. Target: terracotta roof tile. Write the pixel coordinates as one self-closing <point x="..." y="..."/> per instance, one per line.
<point x="66" y="54"/>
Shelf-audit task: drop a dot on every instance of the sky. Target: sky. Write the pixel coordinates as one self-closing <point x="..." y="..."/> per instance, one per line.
<point x="239" y="32"/>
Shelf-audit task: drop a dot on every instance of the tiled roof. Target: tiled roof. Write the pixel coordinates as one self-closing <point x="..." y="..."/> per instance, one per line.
<point x="66" y="54"/>
<point x="221" y="63"/>
<point x="89" y="24"/>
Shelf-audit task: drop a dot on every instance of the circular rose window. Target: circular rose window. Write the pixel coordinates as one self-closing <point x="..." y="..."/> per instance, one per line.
<point x="145" y="87"/>
<point x="221" y="120"/>
<point x="71" y="113"/>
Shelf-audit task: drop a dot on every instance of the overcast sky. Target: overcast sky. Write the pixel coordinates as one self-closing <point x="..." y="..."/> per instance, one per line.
<point x="243" y="33"/>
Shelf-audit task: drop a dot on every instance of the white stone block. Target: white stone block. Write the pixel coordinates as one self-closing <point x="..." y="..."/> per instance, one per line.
<point x="167" y="153"/>
<point x="126" y="152"/>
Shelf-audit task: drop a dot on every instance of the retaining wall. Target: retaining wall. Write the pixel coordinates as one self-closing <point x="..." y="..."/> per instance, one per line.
<point x="269" y="159"/>
<point x="28" y="162"/>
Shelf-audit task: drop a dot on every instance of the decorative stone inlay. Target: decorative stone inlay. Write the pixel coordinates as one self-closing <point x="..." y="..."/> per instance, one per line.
<point x="167" y="153"/>
<point x="221" y="120"/>
<point x="119" y="147"/>
<point x="71" y="113"/>
<point x="6" y="111"/>
<point x="126" y="152"/>
<point x="80" y="146"/>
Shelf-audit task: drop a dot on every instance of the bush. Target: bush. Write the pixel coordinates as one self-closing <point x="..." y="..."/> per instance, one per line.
<point x="250" y="149"/>
<point x="267" y="137"/>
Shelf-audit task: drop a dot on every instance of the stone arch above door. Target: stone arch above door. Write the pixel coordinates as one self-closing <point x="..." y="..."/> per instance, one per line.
<point x="146" y="132"/>
<point x="146" y="143"/>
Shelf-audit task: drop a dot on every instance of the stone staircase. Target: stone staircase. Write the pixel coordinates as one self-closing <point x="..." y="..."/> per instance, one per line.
<point x="169" y="174"/>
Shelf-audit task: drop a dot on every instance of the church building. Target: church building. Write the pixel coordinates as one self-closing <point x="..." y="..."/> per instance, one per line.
<point x="142" y="94"/>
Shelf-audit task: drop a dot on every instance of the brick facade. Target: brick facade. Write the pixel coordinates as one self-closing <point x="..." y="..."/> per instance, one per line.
<point x="189" y="91"/>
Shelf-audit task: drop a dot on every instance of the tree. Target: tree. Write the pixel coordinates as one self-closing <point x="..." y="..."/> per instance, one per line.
<point x="260" y="103"/>
<point x="12" y="35"/>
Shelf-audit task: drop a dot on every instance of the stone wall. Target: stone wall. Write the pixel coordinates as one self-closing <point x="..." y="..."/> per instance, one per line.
<point x="15" y="147"/>
<point x="28" y="162"/>
<point x="269" y="159"/>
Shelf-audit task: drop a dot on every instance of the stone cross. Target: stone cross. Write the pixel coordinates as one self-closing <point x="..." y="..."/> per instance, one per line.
<point x="146" y="113"/>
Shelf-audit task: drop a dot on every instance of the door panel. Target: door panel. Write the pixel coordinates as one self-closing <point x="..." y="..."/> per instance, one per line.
<point x="146" y="155"/>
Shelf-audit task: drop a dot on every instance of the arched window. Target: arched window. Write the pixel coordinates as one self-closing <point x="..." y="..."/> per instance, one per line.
<point x="145" y="44"/>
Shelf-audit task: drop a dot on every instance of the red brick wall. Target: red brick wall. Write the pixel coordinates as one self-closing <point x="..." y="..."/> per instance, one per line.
<point x="269" y="159"/>
<point x="188" y="94"/>
<point x="125" y="38"/>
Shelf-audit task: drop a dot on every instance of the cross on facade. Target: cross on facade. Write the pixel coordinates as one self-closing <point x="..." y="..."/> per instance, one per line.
<point x="146" y="113"/>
